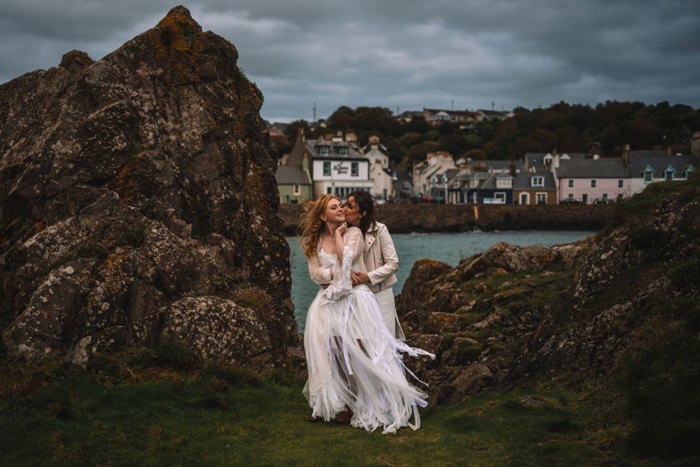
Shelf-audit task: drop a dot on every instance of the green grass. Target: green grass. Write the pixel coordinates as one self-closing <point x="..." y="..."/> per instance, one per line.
<point x="197" y="415"/>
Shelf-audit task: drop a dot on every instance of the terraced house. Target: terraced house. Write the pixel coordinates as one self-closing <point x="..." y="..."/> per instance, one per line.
<point x="592" y="180"/>
<point x="647" y="167"/>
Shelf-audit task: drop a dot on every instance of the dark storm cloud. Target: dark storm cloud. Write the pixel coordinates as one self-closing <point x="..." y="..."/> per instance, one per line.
<point x="411" y="54"/>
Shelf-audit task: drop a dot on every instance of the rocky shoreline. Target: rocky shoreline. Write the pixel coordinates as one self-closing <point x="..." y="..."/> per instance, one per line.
<point x="513" y="312"/>
<point x="407" y="218"/>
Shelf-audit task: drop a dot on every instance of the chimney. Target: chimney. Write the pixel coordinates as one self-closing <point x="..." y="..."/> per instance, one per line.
<point x="301" y="135"/>
<point x="512" y="168"/>
<point x="627" y="156"/>
<point x="668" y="150"/>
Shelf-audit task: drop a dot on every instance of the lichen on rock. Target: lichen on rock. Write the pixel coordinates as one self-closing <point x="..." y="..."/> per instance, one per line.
<point x="148" y="173"/>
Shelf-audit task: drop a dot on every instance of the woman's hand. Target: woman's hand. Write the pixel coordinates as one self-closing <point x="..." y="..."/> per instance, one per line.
<point x="359" y="278"/>
<point x="342" y="228"/>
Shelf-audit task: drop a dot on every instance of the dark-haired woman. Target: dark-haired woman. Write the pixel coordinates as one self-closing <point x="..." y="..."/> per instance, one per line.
<point x="380" y="256"/>
<point x="354" y="363"/>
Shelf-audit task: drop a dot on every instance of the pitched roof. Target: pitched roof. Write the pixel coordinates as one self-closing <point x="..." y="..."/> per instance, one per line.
<point x="592" y="168"/>
<point x="497" y="164"/>
<point x="536" y="159"/>
<point x="374" y="147"/>
<point x="353" y="150"/>
<point x="291" y="176"/>
<point x="659" y="161"/>
<point x="456" y="113"/>
<point x="523" y="181"/>
<point x="494" y="113"/>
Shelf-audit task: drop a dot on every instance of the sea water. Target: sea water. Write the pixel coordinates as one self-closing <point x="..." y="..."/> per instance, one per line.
<point x="446" y="247"/>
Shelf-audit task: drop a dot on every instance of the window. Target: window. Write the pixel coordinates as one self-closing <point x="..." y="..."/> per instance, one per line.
<point x="501" y="196"/>
<point x="584" y="198"/>
<point x="669" y="176"/>
<point x="605" y="196"/>
<point x="537" y="181"/>
<point x="541" y="198"/>
<point x="329" y="190"/>
<point x="355" y="170"/>
<point x="571" y="183"/>
<point x="648" y="176"/>
<point x="326" y="168"/>
<point x="571" y="196"/>
<point x="324" y="150"/>
<point x="620" y="184"/>
<point x="297" y="190"/>
<point x="524" y="198"/>
<point x="593" y="183"/>
<point x="343" y="150"/>
<point x="504" y="182"/>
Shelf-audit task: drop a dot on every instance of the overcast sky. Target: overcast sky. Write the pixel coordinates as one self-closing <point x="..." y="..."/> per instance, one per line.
<point x="407" y="53"/>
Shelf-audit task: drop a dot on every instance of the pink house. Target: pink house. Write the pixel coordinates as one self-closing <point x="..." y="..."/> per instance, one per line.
<point x="588" y="180"/>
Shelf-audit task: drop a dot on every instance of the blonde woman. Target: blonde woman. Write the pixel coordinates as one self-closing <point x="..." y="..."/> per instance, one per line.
<point x="354" y="362"/>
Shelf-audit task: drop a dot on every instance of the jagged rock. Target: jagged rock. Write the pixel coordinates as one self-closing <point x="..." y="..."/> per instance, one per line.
<point x="440" y="323"/>
<point x="151" y="170"/>
<point x="422" y="271"/>
<point x="219" y="328"/>
<point x="504" y="258"/>
<point x="584" y="329"/>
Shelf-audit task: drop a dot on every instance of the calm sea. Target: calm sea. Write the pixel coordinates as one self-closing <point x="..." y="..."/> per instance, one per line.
<point x="447" y="247"/>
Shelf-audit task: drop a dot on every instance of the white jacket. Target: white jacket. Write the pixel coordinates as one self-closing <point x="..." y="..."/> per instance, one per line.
<point x="381" y="259"/>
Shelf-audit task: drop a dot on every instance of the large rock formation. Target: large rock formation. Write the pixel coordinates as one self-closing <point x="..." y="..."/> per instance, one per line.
<point x="473" y="315"/>
<point x="138" y="201"/>
<point x="512" y="312"/>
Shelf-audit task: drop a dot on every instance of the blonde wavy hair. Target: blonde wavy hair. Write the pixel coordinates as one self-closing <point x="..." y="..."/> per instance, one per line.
<point x="311" y="225"/>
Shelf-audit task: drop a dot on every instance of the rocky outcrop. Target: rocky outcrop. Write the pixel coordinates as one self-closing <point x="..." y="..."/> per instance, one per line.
<point x="633" y="268"/>
<point x="134" y="186"/>
<point x="512" y="312"/>
<point x="406" y="218"/>
<point x="473" y="315"/>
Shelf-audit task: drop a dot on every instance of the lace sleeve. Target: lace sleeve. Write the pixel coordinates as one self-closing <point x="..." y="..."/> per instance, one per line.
<point x="319" y="274"/>
<point x="355" y="242"/>
<point x="342" y="283"/>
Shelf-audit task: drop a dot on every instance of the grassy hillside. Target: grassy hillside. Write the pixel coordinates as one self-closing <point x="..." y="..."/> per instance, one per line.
<point x="163" y="406"/>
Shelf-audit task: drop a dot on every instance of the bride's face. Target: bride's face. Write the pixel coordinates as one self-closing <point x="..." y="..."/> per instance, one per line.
<point x="352" y="212"/>
<point x="334" y="213"/>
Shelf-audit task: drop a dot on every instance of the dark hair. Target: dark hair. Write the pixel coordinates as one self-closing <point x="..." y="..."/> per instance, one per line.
<point x="366" y="204"/>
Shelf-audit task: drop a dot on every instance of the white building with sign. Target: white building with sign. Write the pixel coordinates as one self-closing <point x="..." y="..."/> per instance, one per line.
<point x="337" y="166"/>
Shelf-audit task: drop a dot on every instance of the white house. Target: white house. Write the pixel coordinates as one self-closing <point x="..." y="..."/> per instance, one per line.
<point x="423" y="172"/>
<point x="647" y="167"/>
<point x="379" y="172"/>
<point x="337" y="167"/>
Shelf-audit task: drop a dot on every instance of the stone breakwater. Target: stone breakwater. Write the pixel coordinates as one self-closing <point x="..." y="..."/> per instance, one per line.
<point x="406" y="218"/>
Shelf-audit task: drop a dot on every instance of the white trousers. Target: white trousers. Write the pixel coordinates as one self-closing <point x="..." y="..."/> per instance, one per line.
<point x="385" y="298"/>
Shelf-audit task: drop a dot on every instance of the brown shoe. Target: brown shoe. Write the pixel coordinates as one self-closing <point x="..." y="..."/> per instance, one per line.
<point x="345" y="416"/>
<point x="316" y="419"/>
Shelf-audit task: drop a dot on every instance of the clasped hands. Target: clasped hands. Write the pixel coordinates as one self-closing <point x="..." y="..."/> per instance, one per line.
<point x="357" y="279"/>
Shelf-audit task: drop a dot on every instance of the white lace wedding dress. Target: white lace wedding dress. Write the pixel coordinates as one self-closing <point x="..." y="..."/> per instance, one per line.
<point x="352" y="358"/>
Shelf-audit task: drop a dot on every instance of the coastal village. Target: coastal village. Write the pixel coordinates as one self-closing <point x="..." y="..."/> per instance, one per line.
<point x="336" y="163"/>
